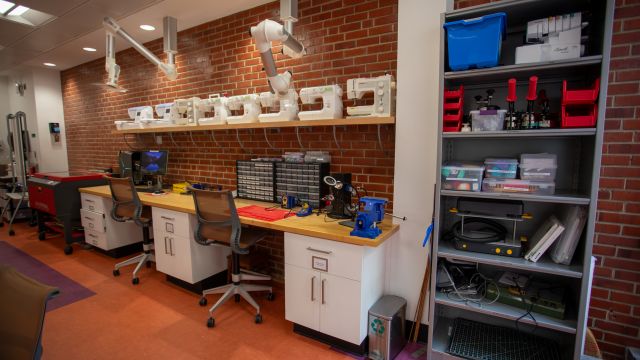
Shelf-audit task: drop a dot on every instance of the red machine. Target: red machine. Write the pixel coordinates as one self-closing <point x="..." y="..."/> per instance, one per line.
<point x="56" y="195"/>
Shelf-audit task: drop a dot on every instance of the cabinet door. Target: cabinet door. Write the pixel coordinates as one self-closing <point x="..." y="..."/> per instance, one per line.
<point x="165" y="262"/>
<point x="180" y="252"/>
<point x="340" y="308"/>
<point x="302" y="296"/>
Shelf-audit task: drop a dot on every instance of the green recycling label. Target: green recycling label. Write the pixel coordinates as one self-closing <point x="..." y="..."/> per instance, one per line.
<point x="377" y="327"/>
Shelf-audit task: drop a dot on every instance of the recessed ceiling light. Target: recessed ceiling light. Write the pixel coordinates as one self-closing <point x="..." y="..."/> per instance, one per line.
<point x="49" y="64"/>
<point x="5" y="6"/>
<point x="89" y="49"/>
<point x="147" y="27"/>
<point x="19" y="10"/>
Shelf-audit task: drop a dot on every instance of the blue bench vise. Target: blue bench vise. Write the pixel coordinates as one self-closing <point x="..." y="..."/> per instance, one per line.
<point x="367" y="219"/>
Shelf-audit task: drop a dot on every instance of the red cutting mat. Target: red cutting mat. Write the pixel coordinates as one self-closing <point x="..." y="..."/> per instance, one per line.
<point x="262" y="213"/>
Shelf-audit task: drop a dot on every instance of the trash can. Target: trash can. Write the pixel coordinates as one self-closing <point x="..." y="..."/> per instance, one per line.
<point x="386" y="327"/>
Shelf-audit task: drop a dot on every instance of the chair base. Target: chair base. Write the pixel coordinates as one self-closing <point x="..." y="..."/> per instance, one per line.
<point x="238" y="288"/>
<point x="140" y="260"/>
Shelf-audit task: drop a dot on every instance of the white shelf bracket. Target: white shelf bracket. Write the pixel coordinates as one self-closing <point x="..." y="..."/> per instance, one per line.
<point x="191" y="137"/>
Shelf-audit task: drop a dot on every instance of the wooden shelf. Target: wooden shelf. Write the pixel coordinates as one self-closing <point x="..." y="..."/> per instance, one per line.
<point x="264" y="125"/>
<point x="558" y="198"/>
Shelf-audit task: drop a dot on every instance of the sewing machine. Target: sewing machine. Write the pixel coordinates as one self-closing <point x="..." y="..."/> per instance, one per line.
<point x="188" y="111"/>
<point x="288" y="106"/>
<point x="219" y="106"/>
<point x="167" y="112"/>
<point x="250" y="105"/>
<point x="140" y="116"/>
<point x="384" y="93"/>
<point x="331" y="96"/>
<point x="367" y="219"/>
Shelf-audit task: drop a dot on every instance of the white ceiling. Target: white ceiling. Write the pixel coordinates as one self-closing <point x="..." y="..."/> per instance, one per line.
<point x="78" y="24"/>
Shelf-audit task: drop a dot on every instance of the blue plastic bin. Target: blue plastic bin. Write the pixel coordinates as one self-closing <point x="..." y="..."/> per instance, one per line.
<point x="475" y="43"/>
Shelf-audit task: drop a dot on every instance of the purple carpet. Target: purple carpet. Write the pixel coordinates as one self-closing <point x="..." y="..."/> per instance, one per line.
<point x="70" y="291"/>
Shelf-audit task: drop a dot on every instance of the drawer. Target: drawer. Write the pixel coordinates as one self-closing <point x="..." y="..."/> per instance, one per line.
<point x="172" y="223"/>
<point x="97" y="239"/>
<point x="92" y="221"/>
<point x="333" y="257"/>
<point x="94" y="203"/>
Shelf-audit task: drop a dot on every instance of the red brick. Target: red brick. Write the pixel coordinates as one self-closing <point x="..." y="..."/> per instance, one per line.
<point x="608" y="228"/>
<point x="618" y="263"/>
<point x="617" y="328"/>
<point x="610" y="183"/>
<point x="618" y="240"/>
<point x="628" y="75"/>
<point x="620" y="113"/>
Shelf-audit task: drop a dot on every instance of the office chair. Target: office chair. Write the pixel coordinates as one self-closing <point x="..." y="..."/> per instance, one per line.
<point x="22" y="309"/>
<point x="126" y="207"/>
<point x="219" y="224"/>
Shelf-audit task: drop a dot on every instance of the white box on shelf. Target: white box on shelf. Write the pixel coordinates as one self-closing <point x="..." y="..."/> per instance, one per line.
<point x="546" y="52"/>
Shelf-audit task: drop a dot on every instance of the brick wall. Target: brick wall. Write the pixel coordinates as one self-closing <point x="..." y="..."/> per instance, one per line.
<point x="344" y="39"/>
<point x="614" y="315"/>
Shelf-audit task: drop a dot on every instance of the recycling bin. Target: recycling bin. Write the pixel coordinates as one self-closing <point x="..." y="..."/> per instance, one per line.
<point x="386" y="327"/>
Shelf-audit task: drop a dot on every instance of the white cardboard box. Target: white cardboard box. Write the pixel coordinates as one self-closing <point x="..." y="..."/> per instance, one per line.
<point x="546" y="52"/>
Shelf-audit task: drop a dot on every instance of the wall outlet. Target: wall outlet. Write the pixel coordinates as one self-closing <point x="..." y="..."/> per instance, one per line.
<point x="159" y="139"/>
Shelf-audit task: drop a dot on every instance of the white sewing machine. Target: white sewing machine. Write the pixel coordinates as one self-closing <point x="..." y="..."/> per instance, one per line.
<point x="331" y="96"/>
<point x="217" y="105"/>
<point x="167" y="112"/>
<point x="288" y="106"/>
<point x="139" y="115"/>
<point x="188" y="111"/>
<point x="384" y="93"/>
<point x="250" y="105"/>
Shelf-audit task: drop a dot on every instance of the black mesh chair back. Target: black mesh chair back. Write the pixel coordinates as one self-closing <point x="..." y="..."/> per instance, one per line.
<point x="218" y="221"/>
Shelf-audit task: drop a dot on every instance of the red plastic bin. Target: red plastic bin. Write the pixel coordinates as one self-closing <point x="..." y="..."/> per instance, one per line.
<point x="583" y="96"/>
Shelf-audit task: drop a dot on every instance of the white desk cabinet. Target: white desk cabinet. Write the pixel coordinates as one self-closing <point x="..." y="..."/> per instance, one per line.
<point x="177" y="252"/>
<point x="100" y="229"/>
<point x="330" y="286"/>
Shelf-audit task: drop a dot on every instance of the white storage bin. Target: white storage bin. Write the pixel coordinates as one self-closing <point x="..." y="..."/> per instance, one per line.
<point x="487" y="120"/>
<point x="539" y="167"/>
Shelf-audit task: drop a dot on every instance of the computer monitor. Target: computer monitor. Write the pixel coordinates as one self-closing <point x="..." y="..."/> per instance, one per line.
<point x="153" y="162"/>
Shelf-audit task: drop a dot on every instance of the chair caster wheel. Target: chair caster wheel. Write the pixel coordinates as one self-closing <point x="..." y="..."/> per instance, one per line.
<point x="1" y="224"/>
<point x="211" y="322"/>
<point x="237" y="298"/>
<point x="12" y="233"/>
<point x="271" y="296"/>
<point x="148" y="263"/>
<point x="203" y="301"/>
<point x="41" y="235"/>
<point x="258" y="319"/>
<point x="68" y="250"/>
<point x="135" y="281"/>
<point x="116" y="272"/>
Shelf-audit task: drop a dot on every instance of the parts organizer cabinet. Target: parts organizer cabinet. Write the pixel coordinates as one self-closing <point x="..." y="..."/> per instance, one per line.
<point x="330" y="286"/>
<point x="578" y="149"/>
<point x="178" y="254"/>
<point x="100" y="229"/>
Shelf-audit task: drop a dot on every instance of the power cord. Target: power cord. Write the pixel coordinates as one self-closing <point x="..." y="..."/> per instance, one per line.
<point x="481" y="288"/>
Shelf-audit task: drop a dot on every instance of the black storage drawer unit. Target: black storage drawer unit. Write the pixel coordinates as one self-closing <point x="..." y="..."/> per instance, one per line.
<point x="302" y="180"/>
<point x="255" y="180"/>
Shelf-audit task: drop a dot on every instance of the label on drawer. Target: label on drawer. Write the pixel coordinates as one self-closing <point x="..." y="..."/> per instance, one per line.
<point x="319" y="263"/>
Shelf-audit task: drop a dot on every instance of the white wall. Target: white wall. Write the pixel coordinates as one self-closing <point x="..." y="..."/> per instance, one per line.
<point x="42" y="103"/>
<point x="48" y="94"/>
<point x="416" y="144"/>
<point x="4" y="110"/>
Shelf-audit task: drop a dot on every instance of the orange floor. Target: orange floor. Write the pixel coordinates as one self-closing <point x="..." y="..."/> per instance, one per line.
<point x="154" y="320"/>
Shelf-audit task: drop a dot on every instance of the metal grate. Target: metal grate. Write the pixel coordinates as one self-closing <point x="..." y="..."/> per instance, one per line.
<point x="474" y="340"/>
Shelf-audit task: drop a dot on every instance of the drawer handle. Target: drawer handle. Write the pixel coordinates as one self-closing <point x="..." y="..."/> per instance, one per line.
<point x="323" y="280"/>
<point x="93" y="236"/>
<point x="319" y="251"/>
<point x="313" y="297"/>
<point x="88" y="218"/>
<point x="91" y="207"/>
<point x="168" y="218"/>
<point x="89" y="200"/>
<point x="171" y="246"/>
<point x="165" y="245"/>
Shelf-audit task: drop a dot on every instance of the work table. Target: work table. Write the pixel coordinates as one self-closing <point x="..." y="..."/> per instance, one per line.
<point x="312" y="225"/>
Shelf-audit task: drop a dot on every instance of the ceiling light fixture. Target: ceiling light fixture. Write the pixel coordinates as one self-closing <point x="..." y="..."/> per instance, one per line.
<point x="49" y="64"/>
<point x="89" y="49"/>
<point x="147" y="27"/>
<point x="19" y="10"/>
<point x="5" y="6"/>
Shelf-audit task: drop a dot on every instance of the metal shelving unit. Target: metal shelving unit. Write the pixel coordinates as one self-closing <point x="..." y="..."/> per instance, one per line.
<point x="579" y="150"/>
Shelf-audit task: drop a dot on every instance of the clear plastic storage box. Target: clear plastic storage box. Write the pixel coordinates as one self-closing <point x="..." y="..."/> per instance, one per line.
<point x="487" y="120"/>
<point x="501" y="168"/>
<point x="540" y="167"/>
<point x="462" y="176"/>
<point x="519" y="186"/>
